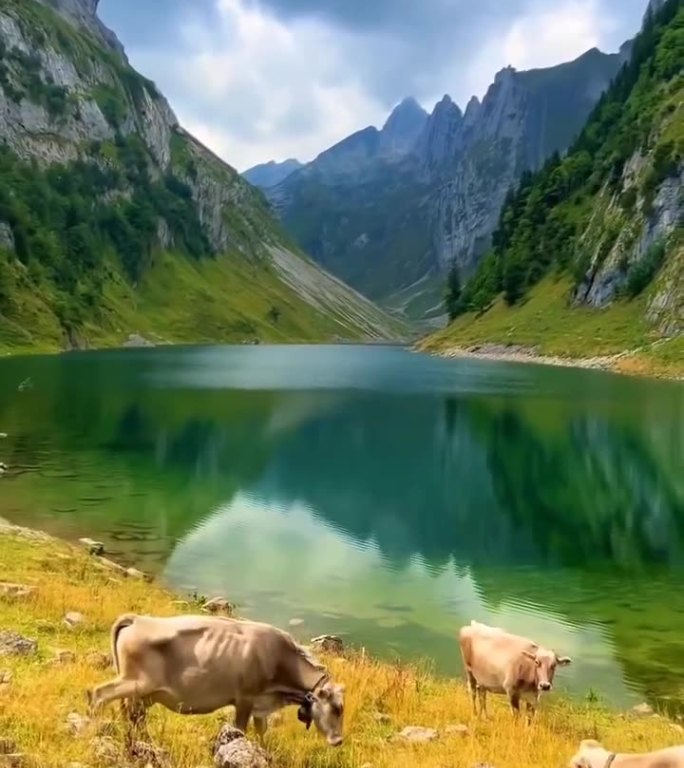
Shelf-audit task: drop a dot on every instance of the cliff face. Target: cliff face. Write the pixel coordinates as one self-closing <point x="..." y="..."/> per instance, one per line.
<point x="70" y="100"/>
<point x="391" y="220"/>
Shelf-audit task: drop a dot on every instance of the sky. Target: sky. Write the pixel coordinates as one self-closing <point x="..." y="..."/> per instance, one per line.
<point x="260" y="80"/>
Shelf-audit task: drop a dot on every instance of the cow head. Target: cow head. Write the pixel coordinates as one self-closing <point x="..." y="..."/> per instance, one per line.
<point x="546" y="662"/>
<point x="325" y="708"/>
<point x="589" y="754"/>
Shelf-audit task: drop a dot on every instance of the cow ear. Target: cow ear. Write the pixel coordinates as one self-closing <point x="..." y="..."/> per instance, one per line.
<point x="324" y="693"/>
<point x="564" y="661"/>
<point x="530" y="655"/>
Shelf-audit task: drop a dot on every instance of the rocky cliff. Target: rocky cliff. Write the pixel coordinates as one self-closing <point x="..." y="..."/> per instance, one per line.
<point x="116" y="211"/>
<point x="608" y="217"/>
<point x="393" y="221"/>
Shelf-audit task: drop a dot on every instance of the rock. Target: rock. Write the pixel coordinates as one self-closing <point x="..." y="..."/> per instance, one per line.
<point x="77" y="724"/>
<point x="416" y="734"/>
<point x="106" y="750"/>
<point x="13" y="644"/>
<point x="381" y="717"/>
<point x="134" y="573"/>
<point x="643" y="709"/>
<point x="135" y="340"/>
<point x="73" y="619"/>
<point x="296" y="622"/>
<point x="98" y="660"/>
<point x="149" y="754"/>
<point x="93" y="547"/>
<point x="219" y="605"/>
<point x="328" y="644"/>
<point x="232" y="750"/>
<point x="63" y="657"/>
<point x="457" y="730"/>
<point x="16" y="591"/>
<point x="107" y="563"/>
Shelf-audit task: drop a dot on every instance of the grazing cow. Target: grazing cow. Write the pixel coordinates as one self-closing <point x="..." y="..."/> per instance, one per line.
<point x="591" y="754"/>
<point x="198" y="664"/>
<point x="496" y="661"/>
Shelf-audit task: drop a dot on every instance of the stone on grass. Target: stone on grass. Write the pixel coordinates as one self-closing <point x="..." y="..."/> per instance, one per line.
<point x="328" y="644"/>
<point x="233" y="750"/>
<point x="93" y="547"/>
<point x="73" y="619"/>
<point x="219" y="605"/>
<point x="77" y="724"/>
<point x="98" y="660"/>
<point x="14" y="644"/>
<point x="457" y="730"/>
<point x="416" y="734"/>
<point x="63" y="657"/>
<point x="643" y="709"/>
<point x="149" y="754"/>
<point x="134" y="573"/>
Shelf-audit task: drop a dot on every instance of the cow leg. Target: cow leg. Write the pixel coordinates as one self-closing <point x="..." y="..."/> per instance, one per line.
<point x="243" y="711"/>
<point x="472" y="687"/>
<point x="118" y="689"/>
<point x="482" y="696"/>
<point x="514" y="700"/>
<point x="260" y="726"/>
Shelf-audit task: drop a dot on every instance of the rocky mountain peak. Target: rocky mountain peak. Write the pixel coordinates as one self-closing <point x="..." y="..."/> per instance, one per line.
<point x="402" y="128"/>
<point x="83" y="13"/>
<point x="441" y="138"/>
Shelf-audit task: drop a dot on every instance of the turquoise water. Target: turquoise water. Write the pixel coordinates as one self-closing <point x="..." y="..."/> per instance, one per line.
<point x="376" y="493"/>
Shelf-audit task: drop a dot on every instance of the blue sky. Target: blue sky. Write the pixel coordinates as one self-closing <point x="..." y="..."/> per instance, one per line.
<point x="271" y="79"/>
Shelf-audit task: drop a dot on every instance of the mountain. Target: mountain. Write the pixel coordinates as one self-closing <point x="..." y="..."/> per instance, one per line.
<point x="271" y="173"/>
<point x="115" y="221"/>
<point x="594" y="241"/>
<point x="391" y="222"/>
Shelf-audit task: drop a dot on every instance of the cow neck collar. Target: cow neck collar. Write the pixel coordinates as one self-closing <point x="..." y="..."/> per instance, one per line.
<point x="610" y="759"/>
<point x="307" y="696"/>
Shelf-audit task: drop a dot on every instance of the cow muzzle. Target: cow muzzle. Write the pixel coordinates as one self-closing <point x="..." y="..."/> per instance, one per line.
<point x="544" y="686"/>
<point x="335" y="741"/>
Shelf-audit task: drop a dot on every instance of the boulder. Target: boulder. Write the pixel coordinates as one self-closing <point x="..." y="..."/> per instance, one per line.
<point x="643" y="709"/>
<point x="134" y="573"/>
<point x="77" y="724"/>
<point x="233" y="750"/>
<point x="219" y="605"/>
<point x="328" y="644"/>
<point x="149" y="754"/>
<point x="98" y="660"/>
<point x="73" y="619"/>
<point x="416" y="734"/>
<point x="457" y="730"/>
<point x="13" y="644"/>
<point x="93" y="547"/>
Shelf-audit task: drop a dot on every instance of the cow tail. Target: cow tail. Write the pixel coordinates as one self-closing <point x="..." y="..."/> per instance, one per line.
<point x="125" y="620"/>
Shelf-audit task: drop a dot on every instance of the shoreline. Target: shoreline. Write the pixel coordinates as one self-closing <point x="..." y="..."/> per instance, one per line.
<point x="57" y="608"/>
<point x="520" y="354"/>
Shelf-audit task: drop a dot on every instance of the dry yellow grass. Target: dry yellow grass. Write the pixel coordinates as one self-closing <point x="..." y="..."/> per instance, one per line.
<point x="35" y="705"/>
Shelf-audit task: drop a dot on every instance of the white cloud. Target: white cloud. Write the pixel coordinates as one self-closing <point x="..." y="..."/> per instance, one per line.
<point x="542" y="37"/>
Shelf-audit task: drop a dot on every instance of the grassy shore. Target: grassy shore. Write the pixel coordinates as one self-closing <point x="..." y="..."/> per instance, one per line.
<point x="36" y="703"/>
<point x="546" y="329"/>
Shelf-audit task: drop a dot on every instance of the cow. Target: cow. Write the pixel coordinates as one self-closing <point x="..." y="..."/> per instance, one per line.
<point x="591" y="754"/>
<point x="198" y="664"/>
<point x="496" y="661"/>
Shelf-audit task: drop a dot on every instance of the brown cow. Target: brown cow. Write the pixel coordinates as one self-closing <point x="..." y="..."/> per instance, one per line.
<point x="198" y="664"/>
<point x="591" y="754"/>
<point x="496" y="661"/>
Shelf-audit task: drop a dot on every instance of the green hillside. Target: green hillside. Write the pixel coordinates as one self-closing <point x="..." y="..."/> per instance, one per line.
<point x="114" y="220"/>
<point x="588" y="256"/>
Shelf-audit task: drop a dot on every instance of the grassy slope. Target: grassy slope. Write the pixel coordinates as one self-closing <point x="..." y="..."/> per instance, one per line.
<point x="239" y="295"/>
<point x="34" y="707"/>
<point x="546" y="321"/>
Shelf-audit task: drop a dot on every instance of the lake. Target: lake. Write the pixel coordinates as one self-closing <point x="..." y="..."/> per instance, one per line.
<point x="372" y="492"/>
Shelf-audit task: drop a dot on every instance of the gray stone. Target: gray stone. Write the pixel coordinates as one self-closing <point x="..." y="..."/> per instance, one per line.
<point x="135" y="340"/>
<point x="134" y="573"/>
<point x="416" y="734"/>
<point x="149" y="754"/>
<point x="14" y="644"/>
<point x="232" y="750"/>
<point x="328" y="644"/>
<point x="77" y="724"/>
<point x="94" y="547"/>
<point x="98" y="660"/>
<point x="73" y="619"/>
<point x="643" y="709"/>
<point x="219" y="605"/>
